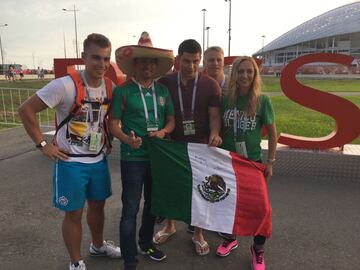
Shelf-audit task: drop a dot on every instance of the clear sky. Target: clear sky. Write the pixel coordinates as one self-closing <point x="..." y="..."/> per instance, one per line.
<point x="37" y="28"/>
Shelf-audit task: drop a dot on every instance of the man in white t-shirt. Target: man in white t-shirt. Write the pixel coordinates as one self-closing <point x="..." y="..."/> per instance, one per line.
<point x="81" y="171"/>
<point x="214" y="66"/>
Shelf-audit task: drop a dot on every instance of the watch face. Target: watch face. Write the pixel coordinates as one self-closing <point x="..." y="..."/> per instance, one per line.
<point x="43" y="143"/>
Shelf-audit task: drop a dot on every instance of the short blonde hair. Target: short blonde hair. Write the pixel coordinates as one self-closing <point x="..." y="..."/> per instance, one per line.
<point x="215" y="49"/>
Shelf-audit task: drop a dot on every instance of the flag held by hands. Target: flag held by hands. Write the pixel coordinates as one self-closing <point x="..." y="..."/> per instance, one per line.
<point x="210" y="188"/>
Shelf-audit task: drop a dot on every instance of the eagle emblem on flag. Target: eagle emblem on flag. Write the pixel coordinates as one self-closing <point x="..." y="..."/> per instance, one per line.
<point x="213" y="189"/>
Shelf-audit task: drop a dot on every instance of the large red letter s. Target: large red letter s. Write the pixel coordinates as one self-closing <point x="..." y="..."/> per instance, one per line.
<point x="345" y="113"/>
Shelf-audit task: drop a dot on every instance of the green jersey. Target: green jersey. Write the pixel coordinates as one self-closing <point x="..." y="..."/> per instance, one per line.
<point x="248" y="128"/>
<point x="127" y="106"/>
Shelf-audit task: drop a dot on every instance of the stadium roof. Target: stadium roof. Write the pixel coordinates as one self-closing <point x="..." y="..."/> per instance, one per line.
<point x="338" y="21"/>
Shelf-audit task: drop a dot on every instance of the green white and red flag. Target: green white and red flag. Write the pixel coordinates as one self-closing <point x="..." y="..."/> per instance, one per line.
<point x="210" y="188"/>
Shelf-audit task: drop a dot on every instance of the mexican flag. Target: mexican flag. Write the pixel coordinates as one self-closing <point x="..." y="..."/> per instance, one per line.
<point x="210" y="188"/>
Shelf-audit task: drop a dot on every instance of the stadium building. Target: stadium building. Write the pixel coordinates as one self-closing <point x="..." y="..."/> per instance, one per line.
<point x="336" y="31"/>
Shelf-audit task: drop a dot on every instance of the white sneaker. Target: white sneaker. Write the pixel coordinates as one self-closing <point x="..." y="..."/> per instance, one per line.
<point x="108" y="249"/>
<point x="81" y="266"/>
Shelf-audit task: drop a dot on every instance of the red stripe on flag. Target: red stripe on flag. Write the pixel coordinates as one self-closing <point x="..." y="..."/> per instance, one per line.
<point x="253" y="210"/>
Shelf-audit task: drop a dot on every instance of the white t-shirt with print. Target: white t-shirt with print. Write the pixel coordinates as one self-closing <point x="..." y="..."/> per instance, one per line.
<point x="74" y="137"/>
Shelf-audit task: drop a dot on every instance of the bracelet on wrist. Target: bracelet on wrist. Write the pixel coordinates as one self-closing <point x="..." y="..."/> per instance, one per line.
<point x="271" y="160"/>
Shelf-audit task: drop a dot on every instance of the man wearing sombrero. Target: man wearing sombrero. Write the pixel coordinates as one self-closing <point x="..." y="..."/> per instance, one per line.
<point x="141" y="108"/>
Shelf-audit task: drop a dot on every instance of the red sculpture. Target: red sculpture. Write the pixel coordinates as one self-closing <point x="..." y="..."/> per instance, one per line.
<point x="345" y="113"/>
<point x="61" y="66"/>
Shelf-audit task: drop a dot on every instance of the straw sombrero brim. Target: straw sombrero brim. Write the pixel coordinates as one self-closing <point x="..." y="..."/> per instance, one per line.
<point x="126" y="54"/>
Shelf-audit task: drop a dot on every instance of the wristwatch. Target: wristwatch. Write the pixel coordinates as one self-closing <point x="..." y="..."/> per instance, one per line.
<point x="42" y="144"/>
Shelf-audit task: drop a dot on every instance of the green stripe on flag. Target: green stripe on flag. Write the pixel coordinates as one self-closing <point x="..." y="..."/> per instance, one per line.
<point x="172" y="179"/>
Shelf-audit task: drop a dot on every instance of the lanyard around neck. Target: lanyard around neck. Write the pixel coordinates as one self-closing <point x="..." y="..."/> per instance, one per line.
<point x="235" y="126"/>
<point x="193" y="94"/>
<point x="83" y="77"/>
<point x="91" y="116"/>
<point x="144" y="102"/>
<point x="222" y="83"/>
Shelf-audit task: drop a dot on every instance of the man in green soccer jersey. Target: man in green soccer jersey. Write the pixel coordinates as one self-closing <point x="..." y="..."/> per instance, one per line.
<point x="141" y="108"/>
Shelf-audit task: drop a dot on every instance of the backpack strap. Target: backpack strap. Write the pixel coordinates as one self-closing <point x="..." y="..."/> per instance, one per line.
<point x="79" y="85"/>
<point x="79" y="101"/>
<point x="109" y="90"/>
<point x="79" y="98"/>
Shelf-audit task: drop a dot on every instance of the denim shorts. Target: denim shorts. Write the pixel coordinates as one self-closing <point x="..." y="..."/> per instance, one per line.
<point x="76" y="182"/>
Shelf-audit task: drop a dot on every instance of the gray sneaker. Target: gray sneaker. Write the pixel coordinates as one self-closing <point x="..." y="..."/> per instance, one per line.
<point x="108" y="249"/>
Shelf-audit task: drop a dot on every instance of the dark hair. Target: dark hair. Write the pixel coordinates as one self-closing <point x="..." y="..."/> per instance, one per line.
<point x="189" y="46"/>
<point x="97" y="39"/>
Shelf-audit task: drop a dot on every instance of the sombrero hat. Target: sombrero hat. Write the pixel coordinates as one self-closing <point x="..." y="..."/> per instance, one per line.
<point x="125" y="56"/>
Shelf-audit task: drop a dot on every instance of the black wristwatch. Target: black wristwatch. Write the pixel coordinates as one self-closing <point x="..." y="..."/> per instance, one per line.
<point x="42" y="144"/>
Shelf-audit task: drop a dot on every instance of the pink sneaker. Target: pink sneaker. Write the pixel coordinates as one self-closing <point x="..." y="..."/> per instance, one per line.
<point x="228" y="245"/>
<point x="257" y="262"/>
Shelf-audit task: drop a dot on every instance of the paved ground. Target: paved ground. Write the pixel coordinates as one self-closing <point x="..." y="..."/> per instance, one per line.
<point x="316" y="222"/>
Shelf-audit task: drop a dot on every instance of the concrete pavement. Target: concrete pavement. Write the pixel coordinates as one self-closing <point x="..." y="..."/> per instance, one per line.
<point x="316" y="222"/>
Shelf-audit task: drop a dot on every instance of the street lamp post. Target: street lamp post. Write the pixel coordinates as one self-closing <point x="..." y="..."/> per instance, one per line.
<point x="33" y="58"/>
<point x="64" y="44"/>
<point x="76" y="41"/>
<point x="203" y="10"/>
<point x="1" y="48"/>
<point x="207" y="30"/>
<point x="262" y="47"/>
<point x="229" y="31"/>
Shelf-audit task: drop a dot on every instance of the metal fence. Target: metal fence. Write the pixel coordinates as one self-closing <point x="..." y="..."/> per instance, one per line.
<point x="10" y="100"/>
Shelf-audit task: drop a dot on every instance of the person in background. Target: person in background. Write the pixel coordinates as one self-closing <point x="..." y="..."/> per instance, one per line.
<point x="214" y="67"/>
<point x="21" y="73"/>
<point x="38" y="72"/>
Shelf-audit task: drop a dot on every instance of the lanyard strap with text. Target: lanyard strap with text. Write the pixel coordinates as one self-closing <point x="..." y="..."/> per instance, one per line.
<point x="235" y="127"/>
<point x="222" y="83"/>
<point x="144" y="102"/>
<point x="91" y="116"/>
<point x="193" y="95"/>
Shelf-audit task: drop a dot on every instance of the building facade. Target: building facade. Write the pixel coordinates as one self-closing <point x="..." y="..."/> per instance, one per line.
<point x="336" y="31"/>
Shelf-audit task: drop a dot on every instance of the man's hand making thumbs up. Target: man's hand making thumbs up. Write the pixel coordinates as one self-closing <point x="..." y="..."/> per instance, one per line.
<point x="133" y="141"/>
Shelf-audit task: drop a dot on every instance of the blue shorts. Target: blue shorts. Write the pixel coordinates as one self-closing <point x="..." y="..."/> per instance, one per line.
<point x="75" y="182"/>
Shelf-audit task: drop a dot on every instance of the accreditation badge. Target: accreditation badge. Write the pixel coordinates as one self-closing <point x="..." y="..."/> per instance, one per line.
<point x="189" y="127"/>
<point x="95" y="141"/>
<point x="240" y="148"/>
<point x="152" y="127"/>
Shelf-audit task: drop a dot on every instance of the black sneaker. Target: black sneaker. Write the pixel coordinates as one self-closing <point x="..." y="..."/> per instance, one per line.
<point x="154" y="253"/>
<point x="159" y="220"/>
<point x="190" y="229"/>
